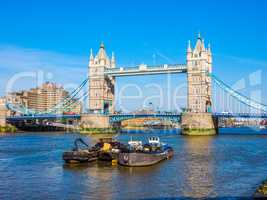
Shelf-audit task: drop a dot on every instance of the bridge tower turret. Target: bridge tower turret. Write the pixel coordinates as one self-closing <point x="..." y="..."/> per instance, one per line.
<point x="101" y="87"/>
<point x="199" y="65"/>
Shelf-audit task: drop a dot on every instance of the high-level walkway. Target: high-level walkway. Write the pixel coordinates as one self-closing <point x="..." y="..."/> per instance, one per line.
<point x="146" y="70"/>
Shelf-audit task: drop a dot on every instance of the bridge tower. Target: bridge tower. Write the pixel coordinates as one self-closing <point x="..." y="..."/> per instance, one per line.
<point x="101" y="87"/>
<point x="198" y="119"/>
<point x="199" y="65"/>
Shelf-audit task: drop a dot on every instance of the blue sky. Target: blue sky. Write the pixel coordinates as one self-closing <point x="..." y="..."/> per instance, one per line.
<point x="56" y="37"/>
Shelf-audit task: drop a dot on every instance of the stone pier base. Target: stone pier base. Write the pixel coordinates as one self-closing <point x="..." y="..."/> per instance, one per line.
<point x="3" y="112"/>
<point x="2" y="120"/>
<point x="94" y="121"/>
<point x="199" y="124"/>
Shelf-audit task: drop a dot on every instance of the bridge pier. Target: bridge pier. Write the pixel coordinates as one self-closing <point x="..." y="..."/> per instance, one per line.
<point x="3" y="113"/>
<point x="95" y="121"/>
<point x="199" y="124"/>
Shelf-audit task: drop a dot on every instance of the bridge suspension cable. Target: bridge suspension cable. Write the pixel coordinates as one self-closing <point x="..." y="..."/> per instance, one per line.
<point x="70" y="99"/>
<point x="224" y="98"/>
<point x="67" y="100"/>
<point x="73" y="104"/>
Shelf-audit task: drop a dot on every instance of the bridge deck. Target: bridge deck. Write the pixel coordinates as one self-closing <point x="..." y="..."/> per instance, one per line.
<point x="32" y="117"/>
<point x="146" y="70"/>
<point x="121" y="117"/>
<point x="241" y="115"/>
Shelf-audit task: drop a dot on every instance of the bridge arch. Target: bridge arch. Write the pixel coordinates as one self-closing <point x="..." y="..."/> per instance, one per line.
<point x="176" y="118"/>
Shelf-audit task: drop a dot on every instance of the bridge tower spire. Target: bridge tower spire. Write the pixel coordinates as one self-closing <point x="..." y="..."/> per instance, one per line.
<point x="113" y="61"/>
<point x="101" y="88"/>
<point x="91" y="60"/>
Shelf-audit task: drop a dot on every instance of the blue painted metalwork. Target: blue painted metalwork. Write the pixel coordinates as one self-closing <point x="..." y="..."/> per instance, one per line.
<point x="41" y="117"/>
<point x="121" y="117"/>
<point x="241" y="115"/>
<point x="177" y="117"/>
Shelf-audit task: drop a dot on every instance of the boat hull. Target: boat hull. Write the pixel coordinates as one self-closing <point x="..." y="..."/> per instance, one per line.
<point x="79" y="156"/>
<point x="107" y="156"/>
<point x="141" y="159"/>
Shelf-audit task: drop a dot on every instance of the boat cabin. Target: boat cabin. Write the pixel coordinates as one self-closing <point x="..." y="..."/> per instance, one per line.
<point x="136" y="145"/>
<point x="154" y="141"/>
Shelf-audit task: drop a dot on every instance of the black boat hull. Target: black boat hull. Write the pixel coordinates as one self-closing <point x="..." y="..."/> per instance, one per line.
<point x="80" y="156"/>
<point x="141" y="159"/>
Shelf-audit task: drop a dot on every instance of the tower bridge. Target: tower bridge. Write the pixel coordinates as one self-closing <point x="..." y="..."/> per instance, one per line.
<point x="201" y="112"/>
<point x="103" y="73"/>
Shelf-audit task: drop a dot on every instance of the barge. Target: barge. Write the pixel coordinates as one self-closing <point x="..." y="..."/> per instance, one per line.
<point x="106" y="150"/>
<point x="139" y="155"/>
<point x="135" y="154"/>
<point x="81" y="154"/>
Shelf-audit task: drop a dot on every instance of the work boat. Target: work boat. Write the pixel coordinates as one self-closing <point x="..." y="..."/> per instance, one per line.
<point x="106" y="150"/>
<point x="81" y="153"/>
<point x="138" y="155"/>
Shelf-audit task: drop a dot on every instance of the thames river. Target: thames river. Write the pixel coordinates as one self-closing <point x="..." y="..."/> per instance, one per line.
<point x="227" y="166"/>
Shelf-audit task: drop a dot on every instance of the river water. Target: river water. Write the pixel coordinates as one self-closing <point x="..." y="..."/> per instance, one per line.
<point x="227" y="166"/>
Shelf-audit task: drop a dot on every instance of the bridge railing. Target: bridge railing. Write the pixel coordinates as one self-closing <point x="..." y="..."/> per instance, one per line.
<point x="32" y="117"/>
<point x="241" y="115"/>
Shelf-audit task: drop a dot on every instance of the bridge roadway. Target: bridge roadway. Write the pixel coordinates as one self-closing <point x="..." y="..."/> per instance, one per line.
<point x="177" y="117"/>
<point x="241" y="115"/>
<point x="42" y="117"/>
<point x="146" y="70"/>
<point x="120" y="117"/>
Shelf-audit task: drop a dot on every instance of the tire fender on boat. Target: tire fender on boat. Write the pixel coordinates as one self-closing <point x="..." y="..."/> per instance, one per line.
<point x="125" y="158"/>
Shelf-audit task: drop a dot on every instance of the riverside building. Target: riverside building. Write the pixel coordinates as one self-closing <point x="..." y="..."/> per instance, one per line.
<point x="44" y="98"/>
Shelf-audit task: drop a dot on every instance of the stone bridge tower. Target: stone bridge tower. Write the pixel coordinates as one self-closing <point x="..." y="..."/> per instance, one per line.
<point x="198" y="119"/>
<point x="199" y="65"/>
<point x="101" y="87"/>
